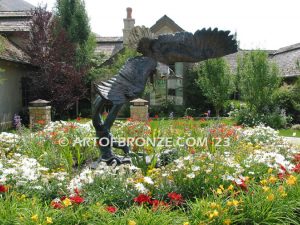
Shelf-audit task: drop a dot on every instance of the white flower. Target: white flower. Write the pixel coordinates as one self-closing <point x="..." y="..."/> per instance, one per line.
<point x="195" y="168"/>
<point x="190" y="175"/>
<point x="141" y="188"/>
<point x="148" y="180"/>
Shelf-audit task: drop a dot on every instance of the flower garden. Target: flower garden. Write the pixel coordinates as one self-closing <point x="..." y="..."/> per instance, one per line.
<point x="237" y="175"/>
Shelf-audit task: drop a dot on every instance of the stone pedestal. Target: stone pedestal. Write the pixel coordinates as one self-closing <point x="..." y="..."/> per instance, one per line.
<point x="139" y="110"/>
<point x="39" y="113"/>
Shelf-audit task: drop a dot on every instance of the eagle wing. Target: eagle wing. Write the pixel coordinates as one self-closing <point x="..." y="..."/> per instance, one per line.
<point x="129" y="82"/>
<point x="187" y="47"/>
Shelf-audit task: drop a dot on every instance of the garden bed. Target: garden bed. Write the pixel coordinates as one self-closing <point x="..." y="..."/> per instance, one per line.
<point x="233" y="176"/>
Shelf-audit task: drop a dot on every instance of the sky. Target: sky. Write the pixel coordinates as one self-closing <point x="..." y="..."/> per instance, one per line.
<point x="264" y="24"/>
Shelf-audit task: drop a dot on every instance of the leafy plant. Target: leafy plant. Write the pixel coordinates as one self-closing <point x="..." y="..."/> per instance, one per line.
<point x="215" y="79"/>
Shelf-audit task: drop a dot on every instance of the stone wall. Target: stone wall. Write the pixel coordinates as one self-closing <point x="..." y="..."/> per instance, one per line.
<point x="39" y="116"/>
<point x="139" y="113"/>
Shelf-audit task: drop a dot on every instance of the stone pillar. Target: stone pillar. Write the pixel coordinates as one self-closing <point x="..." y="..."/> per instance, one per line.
<point x="128" y="25"/>
<point x="139" y="110"/>
<point x="39" y="113"/>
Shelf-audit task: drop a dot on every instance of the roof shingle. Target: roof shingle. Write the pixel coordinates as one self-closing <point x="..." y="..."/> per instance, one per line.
<point x="15" y="5"/>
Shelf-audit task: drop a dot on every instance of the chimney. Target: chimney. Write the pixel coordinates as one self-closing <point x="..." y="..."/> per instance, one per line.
<point x="128" y="25"/>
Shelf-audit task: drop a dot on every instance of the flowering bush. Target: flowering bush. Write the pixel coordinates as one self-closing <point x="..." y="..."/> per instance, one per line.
<point x="212" y="184"/>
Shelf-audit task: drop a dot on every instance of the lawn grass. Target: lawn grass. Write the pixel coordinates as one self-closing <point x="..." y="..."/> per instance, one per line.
<point x="289" y="133"/>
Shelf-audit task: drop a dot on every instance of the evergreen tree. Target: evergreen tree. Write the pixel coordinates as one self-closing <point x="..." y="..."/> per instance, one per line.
<point x="74" y="19"/>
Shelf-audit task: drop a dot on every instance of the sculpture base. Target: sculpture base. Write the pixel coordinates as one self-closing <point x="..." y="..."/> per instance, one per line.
<point x="112" y="161"/>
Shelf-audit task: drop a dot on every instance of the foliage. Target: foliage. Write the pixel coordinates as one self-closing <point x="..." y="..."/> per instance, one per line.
<point x="259" y="78"/>
<point x="56" y="77"/>
<point x="193" y="94"/>
<point x="215" y="79"/>
<point x="106" y="71"/>
<point x="72" y="16"/>
<point x="165" y="109"/>
<point x="249" y="117"/>
<point x="287" y="97"/>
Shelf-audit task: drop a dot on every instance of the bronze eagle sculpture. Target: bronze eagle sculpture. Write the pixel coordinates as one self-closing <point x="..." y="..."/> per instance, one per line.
<point x="132" y="78"/>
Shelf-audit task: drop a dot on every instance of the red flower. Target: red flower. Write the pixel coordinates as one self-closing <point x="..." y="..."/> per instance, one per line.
<point x="78" y="119"/>
<point x="77" y="191"/>
<point x="57" y="205"/>
<point x="296" y="169"/>
<point x="283" y="168"/>
<point x="242" y="185"/>
<point x="142" y="198"/>
<point x="281" y="175"/>
<point x="156" y="204"/>
<point x="156" y="116"/>
<point x="284" y="173"/>
<point x="3" y="188"/>
<point x="297" y="157"/>
<point x="111" y="209"/>
<point x="77" y="199"/>
<point x="175" y="196"/>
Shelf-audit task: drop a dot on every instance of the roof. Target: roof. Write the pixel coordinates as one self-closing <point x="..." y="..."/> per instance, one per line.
<point x="100" y="39"/>
<point x="14" y="21"/>
<point x="15" y="5"/>
<point x="12" y="53"/>
<point x="109" y="45"/>
<point x="286" y="58"/>
<point x="163" y="22"/>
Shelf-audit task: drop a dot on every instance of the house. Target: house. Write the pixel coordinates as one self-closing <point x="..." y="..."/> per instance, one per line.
<point x="14" y="63"/>
<point x="166" y="90"/>
<point x="286" y="58"/>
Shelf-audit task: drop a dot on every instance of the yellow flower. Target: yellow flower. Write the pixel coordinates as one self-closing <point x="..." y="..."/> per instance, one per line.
<point x="265" y="188"/>
<point x="214" y="205"/>
<point x="230" y="188"/>
<point x="67" y="202"/>
<point x="270" y="170"/>
<point x="263" y="182"/>
<point x="291" y="180"/>
<point x="186" y="223"/>
<point x="22" y="197"/>
<point x="227" y="222"/>
<point x="272" y="179"/>
<point x="131" y="222"/>
<point x="281" y="189"/>
<point x="229" y="203"/>
<point x="35" y="217"/>
<point x="215" y="213"/>
<point x="235" y="202"/>
<point x="283" y="194"/>
<point x="270" y="197"/>
<point x="49" y="220"/>
<point x="219" y="191"/>
<point x="221" y="187"/>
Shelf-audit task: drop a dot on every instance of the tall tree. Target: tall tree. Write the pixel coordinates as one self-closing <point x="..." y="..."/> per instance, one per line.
<point x="215" y="79"/>
<point x="259" y="78"/>
<point x="56" y="78"/>
<point x="73" y="17"/>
